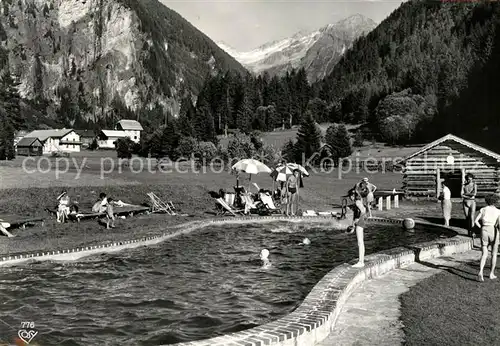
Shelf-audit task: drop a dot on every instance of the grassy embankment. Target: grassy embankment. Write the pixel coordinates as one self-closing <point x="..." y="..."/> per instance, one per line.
<point x="28" y="191"/>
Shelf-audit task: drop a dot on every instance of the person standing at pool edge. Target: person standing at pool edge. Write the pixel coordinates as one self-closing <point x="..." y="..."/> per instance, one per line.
<point x="367" y="190"/>
<point x="488" y="220"/>
<point x="292" y="187"/>
<point x="469" y="191"/>
<point x="358" y="225"/>
<point x="445" y="198"/>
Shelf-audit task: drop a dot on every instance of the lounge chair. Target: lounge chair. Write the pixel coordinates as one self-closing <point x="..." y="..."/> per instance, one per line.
<point x="229" y="198"/>
<point x="267" y="200"/>
<point x="159" y="206"/>
<point x="117" y="211"/>
<point x="225" y="208"/>
<point x="15" y="221"/>
<point x="250" y="204"/>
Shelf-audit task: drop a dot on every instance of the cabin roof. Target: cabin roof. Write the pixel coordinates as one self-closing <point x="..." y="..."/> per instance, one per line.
<point x="28" y="142"/>
<point x="450" y="137"/>
<point x="42" y="135"/>
<point x="128" y="124"/>
<point x="86" y="133"/>
<point x="114" y="133"/>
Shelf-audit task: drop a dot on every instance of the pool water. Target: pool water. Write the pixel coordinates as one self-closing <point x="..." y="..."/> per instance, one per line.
<point x="191" y="287"/>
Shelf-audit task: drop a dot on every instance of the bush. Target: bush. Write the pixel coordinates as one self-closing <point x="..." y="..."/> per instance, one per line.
<point x="269" y="155"/>
<point x="124" y="148"/>
<point x="240" y="147"/>
<point x="358" y="139"/>
<point x="187" y="146"/>
<point x="205" y="152"/>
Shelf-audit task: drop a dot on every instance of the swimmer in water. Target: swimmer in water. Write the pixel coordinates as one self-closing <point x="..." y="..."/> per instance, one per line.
<point x="306" y="241"/>
<point x="264" y="257"/>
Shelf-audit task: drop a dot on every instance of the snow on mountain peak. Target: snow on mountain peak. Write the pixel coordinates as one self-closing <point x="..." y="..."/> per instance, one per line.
<point x="281" y="55"/>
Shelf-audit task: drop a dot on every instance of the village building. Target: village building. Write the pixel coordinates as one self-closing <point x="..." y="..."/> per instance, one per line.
<point x="29" y="146"/>
<point x="132" y="128"/>
<point x="106" y="138"/>
<point x="57" y="140"/>
<point x="87" y="137"/>
<point x="18" y="136"/>
<point x="450" y="158"/>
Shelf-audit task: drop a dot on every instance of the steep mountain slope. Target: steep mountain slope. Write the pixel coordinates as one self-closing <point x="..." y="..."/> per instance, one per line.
<point x="84" y="59"/>
<point x="316" y="51"/>
<point x="447" y="53"/>
<point x="332" y="43"/>
<point x="277" y="56"/>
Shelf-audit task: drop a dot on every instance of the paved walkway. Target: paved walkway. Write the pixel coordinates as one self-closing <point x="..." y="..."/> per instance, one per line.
<point x="371" y="314"/>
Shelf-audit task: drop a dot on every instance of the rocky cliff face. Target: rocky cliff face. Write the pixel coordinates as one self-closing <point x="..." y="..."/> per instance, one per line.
<point x="331" y="44"/>
<point x="317" y="51"/>
<point x="89" y="55"/>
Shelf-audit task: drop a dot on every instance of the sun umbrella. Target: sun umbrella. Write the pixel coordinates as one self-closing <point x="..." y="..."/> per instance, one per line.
<point x="250" y="166"/>
<point x="282" y="172"/>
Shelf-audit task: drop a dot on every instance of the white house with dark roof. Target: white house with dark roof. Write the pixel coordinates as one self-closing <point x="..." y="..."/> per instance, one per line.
<point x="106" y="138"/>
<point x="131" y="127"/>
<point x="57" y="140"/>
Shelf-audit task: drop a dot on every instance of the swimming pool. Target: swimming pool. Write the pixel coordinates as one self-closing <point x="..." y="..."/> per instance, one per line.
<point x="195" y="286"/>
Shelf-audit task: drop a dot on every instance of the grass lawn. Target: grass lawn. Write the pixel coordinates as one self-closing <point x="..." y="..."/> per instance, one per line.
<point x="27" y="193"/>
<point x="452" y="308"/>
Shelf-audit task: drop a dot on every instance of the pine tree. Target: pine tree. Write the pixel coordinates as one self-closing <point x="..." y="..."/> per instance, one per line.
<point x="204" y="127"/>
<point x="308" y="138"/>
<point x="245" y="115"/>
<point x="10" y="115"/>
<point x="170" y="140"/>
<point x="289" y="152"/>
<point x="338" y="142"/>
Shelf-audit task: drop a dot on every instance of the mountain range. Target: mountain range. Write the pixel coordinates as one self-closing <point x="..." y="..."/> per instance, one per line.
<point x="81" y="60"/>
<point x="316" y="51"/>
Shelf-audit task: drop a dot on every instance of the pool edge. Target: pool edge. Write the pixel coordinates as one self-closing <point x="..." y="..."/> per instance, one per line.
<point x="312" y="321"/>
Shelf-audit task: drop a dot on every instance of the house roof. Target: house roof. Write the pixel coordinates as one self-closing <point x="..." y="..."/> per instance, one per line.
<point x="129" y="125"/>
<point x="86" y="133"/>
<point x="42" y="135"/>
<point x="28" y="142"/>
<point x="114" y="133"/>
<point x="456" y="139"/>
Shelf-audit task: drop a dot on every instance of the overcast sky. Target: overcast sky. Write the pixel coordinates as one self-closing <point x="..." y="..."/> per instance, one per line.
<point x="245" y="25"/>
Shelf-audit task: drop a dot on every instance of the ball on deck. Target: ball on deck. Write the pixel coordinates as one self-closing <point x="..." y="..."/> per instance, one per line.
<point x="409" y="223"/>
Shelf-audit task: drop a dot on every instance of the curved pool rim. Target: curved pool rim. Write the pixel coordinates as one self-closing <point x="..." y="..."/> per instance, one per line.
<point x="312" y="321"/>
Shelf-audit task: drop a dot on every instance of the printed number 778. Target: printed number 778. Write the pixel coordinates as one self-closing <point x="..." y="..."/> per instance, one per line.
<point x="28" y="325"/>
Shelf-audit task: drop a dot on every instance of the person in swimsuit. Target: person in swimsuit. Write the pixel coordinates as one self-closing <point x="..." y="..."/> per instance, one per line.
<point x="110" y="215"/>
<point x="63" y="207"/>
<point x="469" y="191"/>
<point x="292" y="186"/>
<point x="446" y="202"/>
<point x="367" y="190"/>
<point x="488" y="221"/>
<point x="358" y="225"/>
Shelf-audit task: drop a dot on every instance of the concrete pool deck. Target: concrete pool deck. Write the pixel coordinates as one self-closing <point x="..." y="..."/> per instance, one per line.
<point x="313" y="321"/>
<point x="371" y="315"/>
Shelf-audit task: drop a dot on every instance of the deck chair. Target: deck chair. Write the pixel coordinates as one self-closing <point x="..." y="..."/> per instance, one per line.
<point x="269" y="203"/>
<point x="160" y="206"/>
<point x="229" y="198"/>
<point x="250" y="204"/>
<point x="3" y="229"/>
<point x="225" y="208"/>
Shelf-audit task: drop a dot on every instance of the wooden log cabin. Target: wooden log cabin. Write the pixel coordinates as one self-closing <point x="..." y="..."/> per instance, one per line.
<point x="450" y="158"/>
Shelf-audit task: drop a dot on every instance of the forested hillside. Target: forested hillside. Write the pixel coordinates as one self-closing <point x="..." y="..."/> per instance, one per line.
<point x="441" y="60"/>
<point x="79" y="63"/>
<point x="429" y="69"/>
